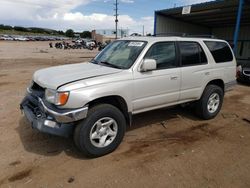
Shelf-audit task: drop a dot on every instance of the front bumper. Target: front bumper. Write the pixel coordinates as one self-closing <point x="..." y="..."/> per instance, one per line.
<point x="66" y="116"/>
<point x="50" y="120"/>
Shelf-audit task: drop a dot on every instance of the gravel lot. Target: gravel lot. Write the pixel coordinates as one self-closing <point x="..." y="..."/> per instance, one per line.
<point x="163" y="148"/>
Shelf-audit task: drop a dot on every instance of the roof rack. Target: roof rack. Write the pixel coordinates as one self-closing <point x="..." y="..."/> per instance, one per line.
<point x="173" y="34"/>
<point x="202" y="36"/>
<point x="183" y="35"/>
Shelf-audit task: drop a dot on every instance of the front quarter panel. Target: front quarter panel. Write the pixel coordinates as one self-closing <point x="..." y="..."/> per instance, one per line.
<point x="80" y="97"/>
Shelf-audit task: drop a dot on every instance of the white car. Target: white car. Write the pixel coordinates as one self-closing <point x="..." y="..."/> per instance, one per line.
<point x="95" y="101"/>
<point x="6" y="37"/>
<point x="90" y="43"/>
<point x="21" y="38"/>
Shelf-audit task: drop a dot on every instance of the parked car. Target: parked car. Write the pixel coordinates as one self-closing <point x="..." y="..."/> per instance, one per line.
<point x="90" y="43"/>
<point x="95" y="101"/>
<point x="243" y="71"/>
<point x="135" y="34"/>
<point x="101" y="46"/>
<point x="21" y="38"/>
<point x="31" y="38"/>
<point x="6" y="37"/>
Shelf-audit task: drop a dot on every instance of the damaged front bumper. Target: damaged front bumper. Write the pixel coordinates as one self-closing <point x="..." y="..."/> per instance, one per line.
<point x="49" y="119"/>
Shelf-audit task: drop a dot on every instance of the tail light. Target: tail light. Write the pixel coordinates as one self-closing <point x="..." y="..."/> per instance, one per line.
<point x="238" y="71"/>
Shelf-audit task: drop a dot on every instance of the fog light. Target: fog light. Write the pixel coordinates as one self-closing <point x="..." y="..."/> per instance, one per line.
<point x="49" y="123"/>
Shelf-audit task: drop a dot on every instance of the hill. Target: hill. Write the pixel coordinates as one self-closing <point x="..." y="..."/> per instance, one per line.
<point x="17" y="30"/>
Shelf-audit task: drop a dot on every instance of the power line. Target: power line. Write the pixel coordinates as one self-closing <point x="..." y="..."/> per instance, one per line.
<point x="116" y="17"/>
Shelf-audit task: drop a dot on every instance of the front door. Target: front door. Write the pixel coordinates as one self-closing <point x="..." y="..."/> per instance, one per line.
<point x="160" y="87"/>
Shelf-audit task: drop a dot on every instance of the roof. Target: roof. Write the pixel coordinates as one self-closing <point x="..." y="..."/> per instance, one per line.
<point x="219" y="13"/>
<point x="159" y="39"/>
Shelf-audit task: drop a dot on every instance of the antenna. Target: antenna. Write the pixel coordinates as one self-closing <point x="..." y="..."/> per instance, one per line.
<point x="116" y="17"/>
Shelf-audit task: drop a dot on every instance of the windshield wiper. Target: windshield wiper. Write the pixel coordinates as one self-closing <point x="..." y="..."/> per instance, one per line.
<point x="94" y="61"/>
<point x="110" y="64"/>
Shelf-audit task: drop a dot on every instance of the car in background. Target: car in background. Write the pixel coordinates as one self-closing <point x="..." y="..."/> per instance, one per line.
<point x="90" y="43"/>
<point x="135" y="35"/>
<point x="31" y="38"/>
<point x="21" y="38"/>
<point x="6" y="37"/>
<point x="243" y="71"/>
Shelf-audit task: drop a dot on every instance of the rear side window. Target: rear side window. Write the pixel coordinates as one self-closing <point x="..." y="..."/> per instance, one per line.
<point x="192" y="54"/>
<point x="220" y="51"/>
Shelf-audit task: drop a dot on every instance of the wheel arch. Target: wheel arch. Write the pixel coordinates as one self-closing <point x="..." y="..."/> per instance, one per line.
<point x="217" y="82"/>
<point x="116" y="101"/>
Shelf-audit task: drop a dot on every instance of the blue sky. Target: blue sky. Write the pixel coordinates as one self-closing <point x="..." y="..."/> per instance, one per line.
<point x="84" y="14"/>
<point x="136" y="9"/>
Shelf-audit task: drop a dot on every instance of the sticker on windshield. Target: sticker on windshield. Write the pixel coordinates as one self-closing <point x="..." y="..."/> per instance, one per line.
<point x="137" y="44"/>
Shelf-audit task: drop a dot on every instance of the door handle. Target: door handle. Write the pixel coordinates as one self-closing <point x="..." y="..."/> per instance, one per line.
<point x="174" y="77"/>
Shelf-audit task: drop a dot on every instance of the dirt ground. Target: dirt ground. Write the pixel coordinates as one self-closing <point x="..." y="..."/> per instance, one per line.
<point x="163" y="148"/>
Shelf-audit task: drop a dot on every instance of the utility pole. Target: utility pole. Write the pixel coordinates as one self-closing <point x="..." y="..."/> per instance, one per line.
<point x="143" y="30"/>
<point x="116" y="18"/>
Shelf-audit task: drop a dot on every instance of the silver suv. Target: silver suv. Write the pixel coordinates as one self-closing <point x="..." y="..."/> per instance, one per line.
<point x="95" y="101"/>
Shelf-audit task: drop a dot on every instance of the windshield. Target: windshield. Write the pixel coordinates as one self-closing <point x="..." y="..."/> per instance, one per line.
<point x="120" y="54"/>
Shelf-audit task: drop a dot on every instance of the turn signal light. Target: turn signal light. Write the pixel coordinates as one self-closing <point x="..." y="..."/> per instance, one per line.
<point x="62" y="98"/>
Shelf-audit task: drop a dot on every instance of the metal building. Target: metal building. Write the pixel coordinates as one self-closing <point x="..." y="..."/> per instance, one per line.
<point x="225" y="19"/>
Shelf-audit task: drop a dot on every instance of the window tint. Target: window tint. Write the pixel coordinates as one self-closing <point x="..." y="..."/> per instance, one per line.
<point x="192" y="54"/>
<point x="220" y="51"/>
<point x="164" y="53"/>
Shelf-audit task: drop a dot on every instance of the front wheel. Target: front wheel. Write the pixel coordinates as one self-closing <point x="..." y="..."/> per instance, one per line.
<point x="210" y="103"/>
<point x="101" y="132"/>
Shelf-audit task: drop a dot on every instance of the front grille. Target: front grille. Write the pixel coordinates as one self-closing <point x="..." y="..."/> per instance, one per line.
<point x="36" y="87"/>
<point x="37" y="90"/>
<point x="32" y="104"/>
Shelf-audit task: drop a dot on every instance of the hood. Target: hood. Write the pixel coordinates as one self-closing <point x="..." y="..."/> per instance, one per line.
<point x="55" y="77"/>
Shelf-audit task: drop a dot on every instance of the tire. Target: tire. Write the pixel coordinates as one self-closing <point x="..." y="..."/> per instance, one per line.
<point x="88" y="133"/>
<point x="213" y="94"/>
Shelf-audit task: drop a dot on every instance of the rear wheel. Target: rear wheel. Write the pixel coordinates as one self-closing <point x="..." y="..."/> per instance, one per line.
<point x="210" y="103"/>
<point x="101" y="132"/>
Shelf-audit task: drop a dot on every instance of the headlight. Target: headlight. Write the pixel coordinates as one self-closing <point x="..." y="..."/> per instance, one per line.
<point x="57" y="98"/>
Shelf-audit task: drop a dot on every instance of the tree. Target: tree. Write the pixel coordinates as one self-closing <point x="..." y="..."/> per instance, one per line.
<point x="69" y="33"/>
<point x="19" y="28"/>
<point x="60" y="32"/>
<point x="5" y="27"/>
<point x="85" y="34"/>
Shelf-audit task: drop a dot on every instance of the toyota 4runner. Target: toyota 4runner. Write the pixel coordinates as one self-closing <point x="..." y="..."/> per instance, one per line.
<point x="95" y="101"/>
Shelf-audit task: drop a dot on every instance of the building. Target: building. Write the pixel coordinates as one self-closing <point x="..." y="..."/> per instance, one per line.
<point x="108" y="34"/>
<point x="225" y="19"/>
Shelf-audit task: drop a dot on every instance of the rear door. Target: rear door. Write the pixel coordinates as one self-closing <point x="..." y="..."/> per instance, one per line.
<point x="195" y="70"/>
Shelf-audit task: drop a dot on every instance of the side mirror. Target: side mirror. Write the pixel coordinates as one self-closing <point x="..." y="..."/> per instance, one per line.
<point x="148" y="65"/>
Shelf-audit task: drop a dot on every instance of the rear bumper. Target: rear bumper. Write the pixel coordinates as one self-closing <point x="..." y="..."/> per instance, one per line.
<point x="48" y="120"/>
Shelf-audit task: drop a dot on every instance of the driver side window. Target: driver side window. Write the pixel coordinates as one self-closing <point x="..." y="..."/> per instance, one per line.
<point x="164" y="53"/>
